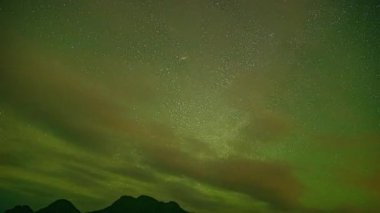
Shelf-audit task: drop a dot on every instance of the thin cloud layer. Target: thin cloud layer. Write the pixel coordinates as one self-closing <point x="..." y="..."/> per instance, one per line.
<point x="219" y="105"/>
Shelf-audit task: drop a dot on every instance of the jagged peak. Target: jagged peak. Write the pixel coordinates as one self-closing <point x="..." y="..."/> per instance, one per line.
<point x="60" y="205"/>
<point x="142" y="203"/>
<point x="146" y="197"/>
<point x="62" y="201"/>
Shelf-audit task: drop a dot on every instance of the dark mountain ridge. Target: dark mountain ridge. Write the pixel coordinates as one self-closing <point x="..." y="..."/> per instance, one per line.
<point x="143" y="204"/>
<point x="125" y="204"/>
<point x="59" y="206"/>
<point x="20" y="209"/>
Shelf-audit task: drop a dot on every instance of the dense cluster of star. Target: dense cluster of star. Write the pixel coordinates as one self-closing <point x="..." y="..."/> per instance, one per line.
<point x="220" y="105"/>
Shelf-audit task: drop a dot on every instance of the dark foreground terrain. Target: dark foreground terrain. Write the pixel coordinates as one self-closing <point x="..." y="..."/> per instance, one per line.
<point x="125" y="204"/>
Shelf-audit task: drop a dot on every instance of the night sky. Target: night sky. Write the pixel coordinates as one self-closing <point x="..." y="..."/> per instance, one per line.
<point x="220" y="105"/>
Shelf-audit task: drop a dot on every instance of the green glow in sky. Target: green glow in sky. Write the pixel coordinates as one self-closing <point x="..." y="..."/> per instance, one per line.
<point x="220" y="105"/>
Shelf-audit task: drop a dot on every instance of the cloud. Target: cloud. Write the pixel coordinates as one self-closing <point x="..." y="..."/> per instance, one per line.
<point x="64" y="101"/>
<point x="190" y="196"/>
<point x="272" y="182"/>
<point x="268" y="127"/>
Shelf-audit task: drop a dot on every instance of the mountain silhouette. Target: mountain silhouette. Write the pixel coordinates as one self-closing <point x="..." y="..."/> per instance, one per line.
<point x="20" y="209"/>
<point x="59" y="206"/>
<point x="125" y="204"/>
<point x="142" y="204"/>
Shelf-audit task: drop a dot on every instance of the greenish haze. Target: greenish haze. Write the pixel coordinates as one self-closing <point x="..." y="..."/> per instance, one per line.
<point x="220" y="105"/>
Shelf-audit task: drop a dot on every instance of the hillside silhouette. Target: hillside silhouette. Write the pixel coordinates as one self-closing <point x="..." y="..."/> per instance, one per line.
<point x="125" y="204"/>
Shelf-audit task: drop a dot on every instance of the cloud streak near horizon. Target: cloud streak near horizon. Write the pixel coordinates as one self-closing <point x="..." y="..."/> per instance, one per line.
<point x="219" y="105"/>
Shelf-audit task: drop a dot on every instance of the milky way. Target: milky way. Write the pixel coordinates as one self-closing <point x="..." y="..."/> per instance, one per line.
<point x="222" y="106"/>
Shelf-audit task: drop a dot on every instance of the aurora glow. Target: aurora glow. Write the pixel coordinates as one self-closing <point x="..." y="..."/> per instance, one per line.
<point x="220" y="105"/>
